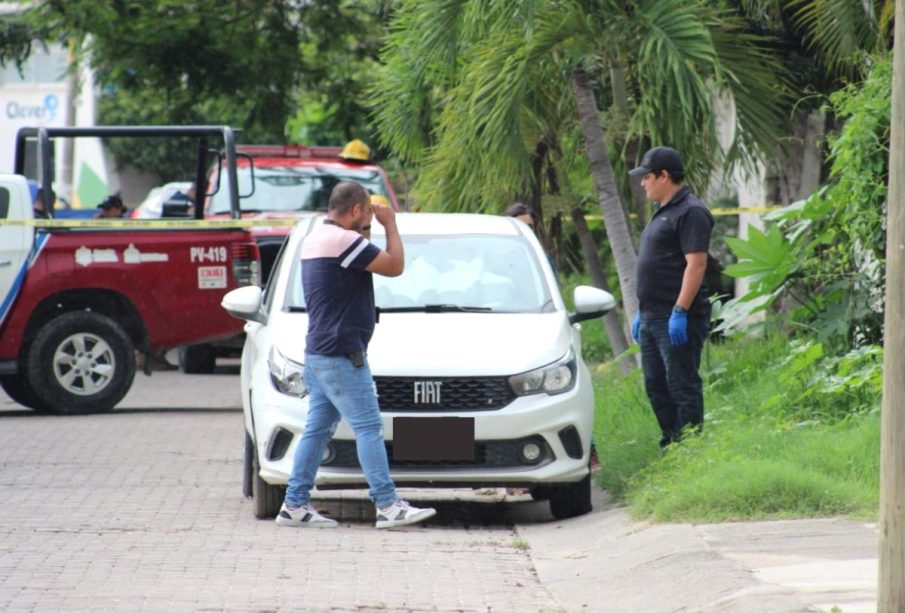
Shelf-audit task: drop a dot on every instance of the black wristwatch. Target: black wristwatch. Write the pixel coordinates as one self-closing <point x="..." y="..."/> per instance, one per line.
<point x="679" y="309"/>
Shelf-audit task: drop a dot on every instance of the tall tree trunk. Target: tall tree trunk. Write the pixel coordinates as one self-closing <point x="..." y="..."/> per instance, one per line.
<point x="614" y="331"/>
<point x="614" y="219"/>
<point x="891" y="589"/>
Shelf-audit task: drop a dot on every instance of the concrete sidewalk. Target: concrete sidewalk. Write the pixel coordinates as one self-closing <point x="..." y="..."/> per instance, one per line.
<point x="604" y="561"/>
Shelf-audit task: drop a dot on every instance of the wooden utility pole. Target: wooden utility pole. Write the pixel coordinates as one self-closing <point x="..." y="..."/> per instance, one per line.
<point x="891" y="590"/>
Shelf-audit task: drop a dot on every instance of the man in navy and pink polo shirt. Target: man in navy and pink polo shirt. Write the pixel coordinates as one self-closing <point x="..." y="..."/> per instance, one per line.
<point x="337" y="263"/>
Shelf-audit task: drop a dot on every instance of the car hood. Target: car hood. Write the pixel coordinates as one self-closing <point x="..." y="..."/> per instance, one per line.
<point x="450" y="344"/>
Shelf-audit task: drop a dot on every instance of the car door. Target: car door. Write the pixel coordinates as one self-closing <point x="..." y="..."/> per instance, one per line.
<point x="15" y="239"/>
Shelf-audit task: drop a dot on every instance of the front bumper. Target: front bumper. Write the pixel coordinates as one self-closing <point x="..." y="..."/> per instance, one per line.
<point x="561" y="425"/>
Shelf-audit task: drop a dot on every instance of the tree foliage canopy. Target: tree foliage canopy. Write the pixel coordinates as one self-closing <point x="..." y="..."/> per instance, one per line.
<point x="471" y="90"/>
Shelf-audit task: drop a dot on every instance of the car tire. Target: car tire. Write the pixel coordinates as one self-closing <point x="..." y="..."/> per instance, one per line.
<point x="197" y="359"/>
<point x="267" y="498"/>
<point x="571" y="500"/>
<point x="17" y="388"/>
<point x="81" y="362"/>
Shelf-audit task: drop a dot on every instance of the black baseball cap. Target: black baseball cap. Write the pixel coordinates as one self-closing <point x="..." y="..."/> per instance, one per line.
<point x="111" y="201"/>
<point x="658" y="159"/>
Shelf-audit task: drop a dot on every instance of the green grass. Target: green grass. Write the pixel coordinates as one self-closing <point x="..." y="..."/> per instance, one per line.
<point x="760" y="456"/>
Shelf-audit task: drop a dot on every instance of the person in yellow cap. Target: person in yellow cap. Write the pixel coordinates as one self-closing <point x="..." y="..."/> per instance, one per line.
<point x="356" y="151"/>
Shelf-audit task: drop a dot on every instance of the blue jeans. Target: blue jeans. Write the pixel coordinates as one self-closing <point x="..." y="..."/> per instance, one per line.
<point x="671" y="377"/>
<point x="337" y="389"/>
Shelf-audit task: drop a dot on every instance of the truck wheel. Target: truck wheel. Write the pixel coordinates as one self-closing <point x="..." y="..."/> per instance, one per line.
<point x="81" y="362"/>
<point x="17" y="388"/>
<point x="197" y="359"/>
<point x="571" y="500"/>
<point x="267" y="498"/>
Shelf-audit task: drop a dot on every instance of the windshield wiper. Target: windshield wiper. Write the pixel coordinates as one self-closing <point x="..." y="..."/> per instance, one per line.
<point x="436" y="308"/>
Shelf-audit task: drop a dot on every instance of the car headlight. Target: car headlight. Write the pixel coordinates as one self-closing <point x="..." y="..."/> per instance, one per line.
<point x="286" y="375"/>
<point x="555" y="378"/>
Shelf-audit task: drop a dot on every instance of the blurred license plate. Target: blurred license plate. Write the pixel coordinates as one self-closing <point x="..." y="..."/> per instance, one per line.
<point x="433" y="438"/>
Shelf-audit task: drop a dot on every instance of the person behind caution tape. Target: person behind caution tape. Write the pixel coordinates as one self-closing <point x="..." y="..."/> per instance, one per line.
<point x="111" y="208"/>
<point x="337" y="267"/>
<point x="356" y="151"/>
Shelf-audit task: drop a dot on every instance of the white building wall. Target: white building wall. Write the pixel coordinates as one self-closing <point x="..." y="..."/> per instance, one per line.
<point x="39" y="97"/>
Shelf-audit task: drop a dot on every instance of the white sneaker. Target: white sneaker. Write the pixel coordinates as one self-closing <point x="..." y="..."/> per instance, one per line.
<point x="306" y="516"/>
<point x="401" y="513"/>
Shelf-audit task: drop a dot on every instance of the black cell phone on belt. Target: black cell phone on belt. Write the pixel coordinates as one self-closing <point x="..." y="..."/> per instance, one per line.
<point x="358" y="358"/>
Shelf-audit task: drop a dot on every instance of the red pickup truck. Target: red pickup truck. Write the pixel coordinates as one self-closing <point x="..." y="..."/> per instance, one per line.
<point x="79" y="298"/>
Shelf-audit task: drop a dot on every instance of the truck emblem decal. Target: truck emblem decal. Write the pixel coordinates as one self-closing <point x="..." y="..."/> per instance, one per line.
<point x="131" y="255"/>
<point x="427" y="392"/>
<point x="87" y="257"/>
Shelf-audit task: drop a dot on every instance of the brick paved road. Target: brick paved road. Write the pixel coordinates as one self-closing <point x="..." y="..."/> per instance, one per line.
<point x="141" y="510"/>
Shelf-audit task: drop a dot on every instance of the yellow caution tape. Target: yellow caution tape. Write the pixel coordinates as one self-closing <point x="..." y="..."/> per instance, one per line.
<point x="191" y="224"/>
<point x="147" y="224"/>
<point x="742" y="210"/>
<point x="715" y="211"/>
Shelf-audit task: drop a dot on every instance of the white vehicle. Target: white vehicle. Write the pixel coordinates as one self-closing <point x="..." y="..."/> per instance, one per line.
<point x="476" y="360"/>
<point x="152" y="206"/>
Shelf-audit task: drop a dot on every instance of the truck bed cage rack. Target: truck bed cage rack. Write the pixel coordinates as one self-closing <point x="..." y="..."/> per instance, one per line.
<point x="202" y="133"/>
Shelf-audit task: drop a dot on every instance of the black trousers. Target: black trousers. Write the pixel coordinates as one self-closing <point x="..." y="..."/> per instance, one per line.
<point x="671" y="377"/>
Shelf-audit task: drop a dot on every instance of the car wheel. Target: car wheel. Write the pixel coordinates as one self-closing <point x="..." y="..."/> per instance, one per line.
<point x="81" y="362"/>
<point x="197" y="359"/>
<point x="267" y="498"/>
<point x="17" y="388"/>
<point x="571" y="500"/>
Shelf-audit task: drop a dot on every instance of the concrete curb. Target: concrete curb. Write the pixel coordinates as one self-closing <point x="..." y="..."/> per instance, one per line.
<point x="605" y="561"/>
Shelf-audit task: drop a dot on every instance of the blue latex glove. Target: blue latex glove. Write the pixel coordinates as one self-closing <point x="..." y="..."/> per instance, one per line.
<point x="678" y="329"/>
<point x="636" y="325"/>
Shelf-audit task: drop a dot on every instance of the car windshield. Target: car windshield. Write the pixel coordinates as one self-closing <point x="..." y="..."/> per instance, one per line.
<point x="288" y="188"/>
<point x="456" y="273"/>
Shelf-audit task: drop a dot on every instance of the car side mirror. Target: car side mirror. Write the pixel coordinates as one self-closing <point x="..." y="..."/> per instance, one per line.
<point x="245" y="303"/>
<point x="590" y="302"/>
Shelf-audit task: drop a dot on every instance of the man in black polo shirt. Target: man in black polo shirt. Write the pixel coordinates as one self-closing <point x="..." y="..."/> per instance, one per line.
<point x="673" y="309"/>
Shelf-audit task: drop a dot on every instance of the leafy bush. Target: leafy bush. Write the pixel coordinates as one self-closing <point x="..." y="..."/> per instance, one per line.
<point x="826" y="254"/>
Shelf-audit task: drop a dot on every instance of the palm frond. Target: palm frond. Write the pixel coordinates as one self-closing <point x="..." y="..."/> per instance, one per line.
<point x="675" y="67"/>
<point x="759" y="86"/>
<point x="843" y="31"/>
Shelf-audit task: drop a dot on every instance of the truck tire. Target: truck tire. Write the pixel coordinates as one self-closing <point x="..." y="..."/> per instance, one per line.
<point x="81" y="362"/>
<point x="571" y="499"/>
<point x="17" y="388"/>
<point x="197" y="359"/>
<point x="267" y="498"/>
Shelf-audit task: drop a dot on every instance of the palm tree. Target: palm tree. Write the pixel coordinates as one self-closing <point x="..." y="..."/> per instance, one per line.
<point x="497" y="78"/>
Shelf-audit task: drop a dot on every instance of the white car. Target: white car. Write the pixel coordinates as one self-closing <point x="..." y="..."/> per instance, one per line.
<point x="152" y="206"/>
<point x="476" y="360"/>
